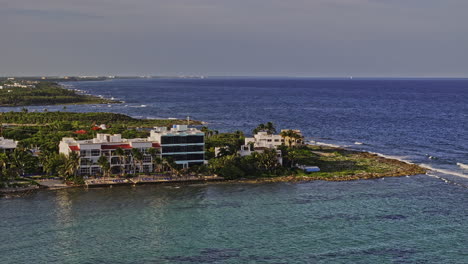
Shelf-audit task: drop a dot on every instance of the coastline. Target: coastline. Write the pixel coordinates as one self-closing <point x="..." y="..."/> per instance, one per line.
<point x="404" y="169"/>
<point x="45" y="93"/>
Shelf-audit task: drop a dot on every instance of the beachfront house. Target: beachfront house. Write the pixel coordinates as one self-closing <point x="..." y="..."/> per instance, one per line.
<point x="186" y="146"/>
<point x="7" y="145"/>
<point x="263" y="140"/>
<point x="106" y="145"/>
<point x="266" y="140"/>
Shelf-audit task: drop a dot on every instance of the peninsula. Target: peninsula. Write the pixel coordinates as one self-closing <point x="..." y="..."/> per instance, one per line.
<point x="20" y="92"/>
<point x="58" y="149"/>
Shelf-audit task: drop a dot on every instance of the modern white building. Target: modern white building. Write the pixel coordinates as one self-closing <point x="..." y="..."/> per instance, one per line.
<point x="186" y="146"/>
<point x="106" y="145"/>
<point x="262" y="140"/>
<point x="265" y="140"/>
<point x="7" y="145"/>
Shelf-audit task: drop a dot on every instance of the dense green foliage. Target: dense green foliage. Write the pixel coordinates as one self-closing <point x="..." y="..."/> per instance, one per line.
<point x="268" y="127"/>
<point x="229" y="142"/>
<point x="45" y="93"/>
<point x="17" y="163"/>
<point x="261" y="164"/>
<point x="79" y="119"/>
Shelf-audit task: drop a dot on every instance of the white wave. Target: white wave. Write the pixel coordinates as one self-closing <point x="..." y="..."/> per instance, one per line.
<point x="444" y="171"/>
<point x="358" y="143"/>
<point x="327" y="145"/>
<point x="399" y="158"/>
<point x="461" y="165"/>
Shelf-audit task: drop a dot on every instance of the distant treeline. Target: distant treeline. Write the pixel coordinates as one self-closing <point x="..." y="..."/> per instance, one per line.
<point x="42" y="118"/>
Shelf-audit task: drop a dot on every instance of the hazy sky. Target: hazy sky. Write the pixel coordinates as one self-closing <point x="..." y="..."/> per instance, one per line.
<point x="234" y="37"/>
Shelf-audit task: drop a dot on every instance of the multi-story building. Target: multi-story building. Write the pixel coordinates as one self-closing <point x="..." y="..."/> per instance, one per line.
<point x="106" y="145"/>
<point x="186" y="146"/>
<point x="265" y="140"/>
<point x="7" y="145"/>
<point x="262" y="140"/>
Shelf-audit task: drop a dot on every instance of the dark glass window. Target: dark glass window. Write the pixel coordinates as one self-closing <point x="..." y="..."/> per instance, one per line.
<point x="181" y="139"/>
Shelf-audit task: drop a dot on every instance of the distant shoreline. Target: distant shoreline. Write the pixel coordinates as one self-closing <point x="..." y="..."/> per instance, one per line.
<point x="20" y="93"/>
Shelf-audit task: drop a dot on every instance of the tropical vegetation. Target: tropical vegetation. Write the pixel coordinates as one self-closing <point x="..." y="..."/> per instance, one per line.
<point x="44" y="93"/>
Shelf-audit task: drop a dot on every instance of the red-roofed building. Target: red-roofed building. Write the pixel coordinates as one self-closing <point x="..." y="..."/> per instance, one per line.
<point x="106" y="145"/>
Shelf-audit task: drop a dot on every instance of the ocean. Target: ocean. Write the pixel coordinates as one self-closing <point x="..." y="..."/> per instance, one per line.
<point x="418" y="219"/>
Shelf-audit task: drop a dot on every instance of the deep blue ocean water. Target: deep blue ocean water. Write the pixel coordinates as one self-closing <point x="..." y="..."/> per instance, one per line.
<point x="420" y="219"/>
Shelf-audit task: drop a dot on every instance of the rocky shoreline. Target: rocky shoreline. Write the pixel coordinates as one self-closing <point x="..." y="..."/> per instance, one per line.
<point x="397" y="169"/>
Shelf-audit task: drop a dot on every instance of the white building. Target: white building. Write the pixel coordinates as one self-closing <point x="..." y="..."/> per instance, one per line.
<point x="106" y="145"/>
<point x="265" y="140"/>
<point x="183" y="144"/>
<point x="186" y="146"/>
<point x="7" y="145"/>
<point x="262" y="140"/>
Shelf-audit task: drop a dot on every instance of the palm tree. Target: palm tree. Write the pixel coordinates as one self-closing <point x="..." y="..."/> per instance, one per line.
<point x="72" y="163"/>
<point x="121" y="153"/>
<point x="103" y="161"/>
<point x="137" y="157"/>
<point x="3" y="166"/>
<point x="259" y="128"/>
<point x="18" y="158"/>
<point x="155" y="158"/>
<point x="270" y="128"/>
<point x="171" y="165"/>
<point x="290" y="135"/>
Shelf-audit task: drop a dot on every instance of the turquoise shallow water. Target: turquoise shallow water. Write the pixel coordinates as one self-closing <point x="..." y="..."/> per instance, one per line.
<point x="417" y="219"/>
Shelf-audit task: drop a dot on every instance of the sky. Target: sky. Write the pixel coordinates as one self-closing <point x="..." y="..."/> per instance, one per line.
<point x="315" y="38"/>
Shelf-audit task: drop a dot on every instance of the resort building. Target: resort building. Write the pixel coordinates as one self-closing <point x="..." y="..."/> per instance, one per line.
<point x="106" y="145"/>
<point x="7" y="145"/>
<point x="186" y="146"/>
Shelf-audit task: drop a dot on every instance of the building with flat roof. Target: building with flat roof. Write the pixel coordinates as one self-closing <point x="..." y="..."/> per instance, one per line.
<point x="106" y="145"/>
<point x="7" y="145"/>
<point x="263" y="140"/>
<point x="186" y="146"/>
